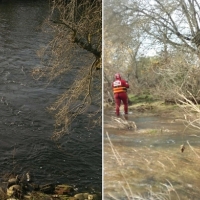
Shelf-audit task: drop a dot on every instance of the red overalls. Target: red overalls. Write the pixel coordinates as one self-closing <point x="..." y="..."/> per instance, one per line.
<point x="119" y="89"/>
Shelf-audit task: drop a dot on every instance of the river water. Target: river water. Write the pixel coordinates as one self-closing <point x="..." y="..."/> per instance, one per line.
<point x="148" y="163"/>
<point x="26" y="127"/>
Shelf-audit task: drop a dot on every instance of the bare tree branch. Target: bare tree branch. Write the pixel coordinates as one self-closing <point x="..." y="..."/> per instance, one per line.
<point x="75" y="53"/>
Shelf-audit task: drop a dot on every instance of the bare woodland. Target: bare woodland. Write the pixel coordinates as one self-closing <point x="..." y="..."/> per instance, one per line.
<point x="77" y="38"/>
<point x="155" y="45"/>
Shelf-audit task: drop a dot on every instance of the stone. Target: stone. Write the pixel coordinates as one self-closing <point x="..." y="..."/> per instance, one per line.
<point x="13" y="189"/>
<point x="13" y="181"/>
<point x="47" y="189"/>
<point x="85" y="196"/>
<point x="92" y="197"/>
<point x="79" y="196"/>
<point x="63" y="189"/>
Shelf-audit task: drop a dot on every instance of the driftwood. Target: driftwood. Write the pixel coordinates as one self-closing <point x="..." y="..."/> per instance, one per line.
<point x="122" y="123"/>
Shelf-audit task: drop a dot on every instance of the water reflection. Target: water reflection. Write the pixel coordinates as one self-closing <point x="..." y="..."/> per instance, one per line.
<point x="26" y="126"/>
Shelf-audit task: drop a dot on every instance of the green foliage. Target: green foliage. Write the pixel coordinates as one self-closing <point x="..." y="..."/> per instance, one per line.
<point x="142" y="98"/>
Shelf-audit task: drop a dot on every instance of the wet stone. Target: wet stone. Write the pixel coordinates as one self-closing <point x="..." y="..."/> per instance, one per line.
<point x="18" y="189"/>
<point x="47" y="189"/>
<point x="32" y="187"/>
<point x="84" y="196"/>
<point x="14" y="190"/>
<point x="13" y="181"/>
<point x="64" y="189"/>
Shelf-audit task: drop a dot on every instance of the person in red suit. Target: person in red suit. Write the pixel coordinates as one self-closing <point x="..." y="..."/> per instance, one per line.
<point x="120" y="93"/>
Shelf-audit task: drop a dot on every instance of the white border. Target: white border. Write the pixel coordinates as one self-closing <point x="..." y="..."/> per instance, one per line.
<point x="102" y="99"/>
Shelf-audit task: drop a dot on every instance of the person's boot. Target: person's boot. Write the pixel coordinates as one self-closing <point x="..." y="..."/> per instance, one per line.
<point x="126" y="116"/>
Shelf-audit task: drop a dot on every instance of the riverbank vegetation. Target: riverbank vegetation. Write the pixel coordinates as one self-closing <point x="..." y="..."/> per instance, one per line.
<point x="129" y="189"/>
<point x="74" y="56"/>
<point x="156" y="52"/>
<point x="154" y="45"/>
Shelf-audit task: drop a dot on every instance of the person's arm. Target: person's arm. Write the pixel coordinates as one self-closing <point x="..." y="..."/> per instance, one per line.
<point x="127" y="85"/>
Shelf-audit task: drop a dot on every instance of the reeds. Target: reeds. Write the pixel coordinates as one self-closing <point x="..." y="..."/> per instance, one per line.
<point x="166" y="189"/>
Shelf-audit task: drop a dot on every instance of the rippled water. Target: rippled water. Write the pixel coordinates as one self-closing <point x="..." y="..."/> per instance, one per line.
<point x="25" y="125"/>
<point x="150" y="159"/>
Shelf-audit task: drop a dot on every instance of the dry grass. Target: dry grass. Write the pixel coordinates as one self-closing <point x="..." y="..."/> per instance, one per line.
<point x="163" y="167"/>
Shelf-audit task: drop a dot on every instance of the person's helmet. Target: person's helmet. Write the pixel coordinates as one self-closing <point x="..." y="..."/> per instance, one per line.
<point x="117" y="76"/>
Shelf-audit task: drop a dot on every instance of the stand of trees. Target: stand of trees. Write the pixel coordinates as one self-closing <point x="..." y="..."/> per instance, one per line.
<point x="170" y="29"/>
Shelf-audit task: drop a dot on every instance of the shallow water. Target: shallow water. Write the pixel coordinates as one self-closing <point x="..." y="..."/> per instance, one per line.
<point x="150" y="159"/>
<point x="26" y="127"/>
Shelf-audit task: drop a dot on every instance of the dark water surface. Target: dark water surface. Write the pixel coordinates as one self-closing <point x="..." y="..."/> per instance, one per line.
<point x="25" y="125"/>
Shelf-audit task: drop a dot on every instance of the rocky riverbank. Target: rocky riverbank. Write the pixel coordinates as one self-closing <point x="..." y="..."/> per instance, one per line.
<point x="17" y="188"/>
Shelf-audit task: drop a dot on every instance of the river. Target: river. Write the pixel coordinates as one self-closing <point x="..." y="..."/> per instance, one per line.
<point x="26" y="127"/>
<point x="148" y="163"/>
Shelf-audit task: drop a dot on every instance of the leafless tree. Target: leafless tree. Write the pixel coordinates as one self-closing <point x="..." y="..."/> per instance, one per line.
<point x="121" y="45"/>
<point x="180" y="18"/>
<point x="172" y="28"/>
<point x="168" y="26"/>
<point x="75" y="54"/>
